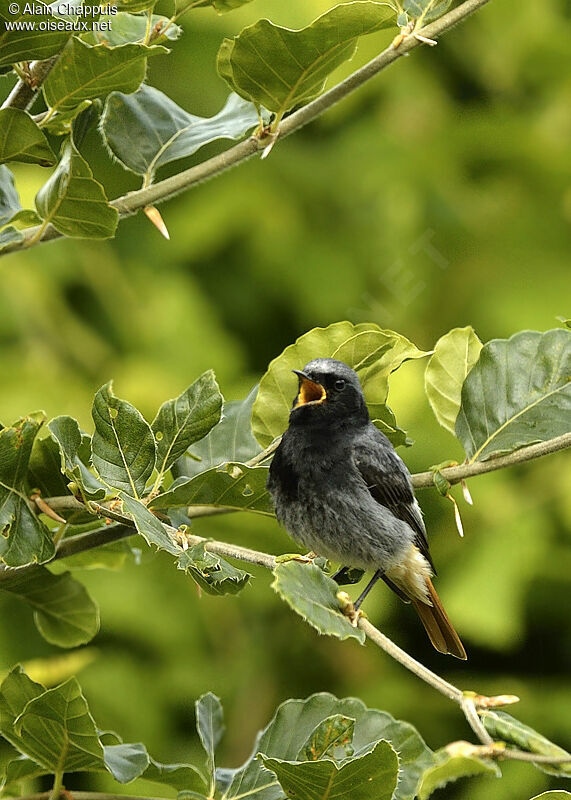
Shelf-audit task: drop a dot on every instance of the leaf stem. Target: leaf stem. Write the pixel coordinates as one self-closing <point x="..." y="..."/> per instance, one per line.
<point x="169" y="187"/>
<point x="57" y="786"/>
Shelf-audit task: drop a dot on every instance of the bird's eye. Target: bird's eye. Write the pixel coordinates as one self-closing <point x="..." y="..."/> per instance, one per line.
<point x="340" y="385"/>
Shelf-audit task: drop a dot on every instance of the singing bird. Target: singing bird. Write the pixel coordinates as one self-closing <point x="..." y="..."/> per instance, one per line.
<point x="340" y="490"/>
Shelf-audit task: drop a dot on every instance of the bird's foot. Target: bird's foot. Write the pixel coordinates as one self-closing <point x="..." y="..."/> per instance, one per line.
<point x="348" y="609"/>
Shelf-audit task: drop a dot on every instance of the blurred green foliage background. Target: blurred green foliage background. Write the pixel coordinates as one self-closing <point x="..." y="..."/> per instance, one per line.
<point x="438" y="195"/>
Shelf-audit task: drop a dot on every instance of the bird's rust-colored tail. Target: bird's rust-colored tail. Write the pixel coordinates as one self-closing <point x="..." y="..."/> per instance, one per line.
<point x="437" y="625"/>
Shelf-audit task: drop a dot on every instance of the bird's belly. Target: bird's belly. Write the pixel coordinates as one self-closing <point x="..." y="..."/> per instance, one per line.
<point x="347" y="527"/>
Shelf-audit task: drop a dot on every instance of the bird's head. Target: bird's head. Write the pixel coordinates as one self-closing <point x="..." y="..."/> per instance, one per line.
<point x="329" y="393"/>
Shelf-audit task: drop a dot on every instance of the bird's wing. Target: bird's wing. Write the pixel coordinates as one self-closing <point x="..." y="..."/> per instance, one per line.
<point x="388" y="480"/>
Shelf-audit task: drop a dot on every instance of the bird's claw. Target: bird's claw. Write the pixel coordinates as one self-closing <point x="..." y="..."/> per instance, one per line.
<point x="349" y="610"/>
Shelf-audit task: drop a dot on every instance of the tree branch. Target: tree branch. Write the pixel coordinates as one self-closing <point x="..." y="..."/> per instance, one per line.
<point x="169" y="187"/>
<point x="24" y="92"/>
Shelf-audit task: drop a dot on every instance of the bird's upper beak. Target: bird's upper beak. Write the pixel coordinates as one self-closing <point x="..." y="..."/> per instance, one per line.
<point x="310" y="392"/>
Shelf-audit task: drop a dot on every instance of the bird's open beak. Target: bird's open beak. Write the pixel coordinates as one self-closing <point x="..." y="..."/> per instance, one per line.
<point x="310" y="392"/>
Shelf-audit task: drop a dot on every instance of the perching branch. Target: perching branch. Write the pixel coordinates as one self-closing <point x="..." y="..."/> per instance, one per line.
<point x="169" y="187"/>
<point x="24" y="92"/>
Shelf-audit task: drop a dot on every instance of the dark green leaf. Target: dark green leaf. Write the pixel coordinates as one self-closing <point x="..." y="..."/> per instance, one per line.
<point x="454" y="356"/>
<point x="22" y="140"/>
<point x="64" y="612"/>
<point x="123" y="445"/>
<point x="211" y="572"/>
<point x="210" y="727"/>
<point x="15" y="693"/>
<point x="451" y="767"/>
<point x="228" y="486"/>
<point x="279" y="68"/>
<point x="313" y="595"/>
<point x="371" y="775"/>
<point x="10" y="236"/>
<point x="74" y="202"/>
<point x="153" y="531"/>
<point x="335" y="732"/>
<point x="293" y="724"/>
<point x="187" y="419"/>
<point x="503" y="727"/>
<point x="66" y="434"/>
<point x="24" y="538"/>
<point x="28" y="44"/>
<point x="131" y="29"/>
<point x="230" y="440"/>
<point x="84" y="72"/>
<point x="44" y="473"/>
<point x="147" y="130"/>
<point x="518" y="393"/>
<point x="372" y="352"/>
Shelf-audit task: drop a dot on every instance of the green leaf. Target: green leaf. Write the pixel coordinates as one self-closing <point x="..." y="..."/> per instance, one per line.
<point x="374" y="353"/>
<point x="9" y="199"/>
<point x="16" y="692"/>
<point x="66" y="434"/>
<point x="294" y="723"/>
<point x="64" y="612"/>
<point x="123" y="445"/>
<point x="518" y="393"/>
<point x="131" y="29"/>
<point x="211" y="572"/>
<point x="230" y="440"/>
<point x="31" y="43"/>
<point x="449" y="768"/>
<point x="25" y="539"/>
<point x="10" y="236"/>
<point x="506" y="728"/>
<point x="334" y="732"/>
<point x="74" y="202"/>
<point x="372" y="775"/>
<point x="178" y="776"/>
<point x="210" y="727"/>
<point x="555" y="795"/>
<point x="126" y="761"/>
<point x="454" y="356"/>
<point x="227" y="486"/>
<point x="84" y="72"/>
<point x="147" y="130"/>
<point x="425" y="9"/>
<point x="153" y="531"/>
<point x="62" y="122"/>
<point x="313" y="595"/>
<point x="279" y="68"/>
<point x="56" y="730"/>
<point x="22" y="140"/>
<point x="187" y="419"/>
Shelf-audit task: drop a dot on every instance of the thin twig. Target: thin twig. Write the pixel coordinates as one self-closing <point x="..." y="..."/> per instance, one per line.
<point x="169" y="187"/>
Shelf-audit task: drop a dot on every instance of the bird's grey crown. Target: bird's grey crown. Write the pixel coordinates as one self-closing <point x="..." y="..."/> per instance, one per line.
<point x="330" y="367"/>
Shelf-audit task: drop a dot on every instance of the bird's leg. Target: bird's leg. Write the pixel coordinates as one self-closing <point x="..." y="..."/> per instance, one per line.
<point x="378" y="574"/>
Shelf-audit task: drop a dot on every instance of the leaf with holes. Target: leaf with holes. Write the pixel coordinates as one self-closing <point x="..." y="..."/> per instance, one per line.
<point x="211" y="572"/>
<point x="227" y="486"/>
<point x="74" y="202"/>
<point x="22" y="140"/>
<point x="372" y="775"/>
<point x="313" y="595"/>
<point x="518" y="393"/>
<point x="25" y="539"/>
<point x="123" y="445"/>
<point x="147" y="130"/>
<point x="374" y="353"/>
<point x="279" y="68"/>
<point x="184" y="421"/>
<point x="64" y="612"/>
<point x="84" y="72"/>
<point x="454" y="355"/>
<point x="334" y="733"/>
<point x="295" y="722"/>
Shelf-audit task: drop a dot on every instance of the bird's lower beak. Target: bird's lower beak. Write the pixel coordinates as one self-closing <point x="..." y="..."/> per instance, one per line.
<point x="309" y="391"/>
